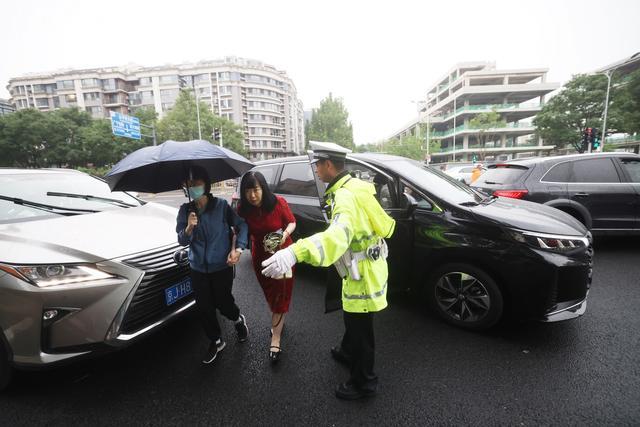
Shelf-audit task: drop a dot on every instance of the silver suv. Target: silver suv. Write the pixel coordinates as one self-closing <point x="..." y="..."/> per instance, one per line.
<point x="82" y="269"/>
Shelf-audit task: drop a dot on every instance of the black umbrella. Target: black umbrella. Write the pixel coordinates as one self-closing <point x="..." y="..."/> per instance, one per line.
<point x="166" y="167"/>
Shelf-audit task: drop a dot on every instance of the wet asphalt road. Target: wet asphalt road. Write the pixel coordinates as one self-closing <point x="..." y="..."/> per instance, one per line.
<point x="584" y="371"/>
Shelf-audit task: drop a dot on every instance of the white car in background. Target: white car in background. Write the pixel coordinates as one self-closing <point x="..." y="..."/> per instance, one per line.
<point x="462" y="172"/>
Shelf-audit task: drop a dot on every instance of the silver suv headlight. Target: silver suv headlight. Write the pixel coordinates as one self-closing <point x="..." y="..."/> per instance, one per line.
<point x="549" y="242"/>
<point x="45" y="276"/>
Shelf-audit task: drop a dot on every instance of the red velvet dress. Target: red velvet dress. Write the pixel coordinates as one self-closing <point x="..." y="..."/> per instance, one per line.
<point x="276" y="291"/>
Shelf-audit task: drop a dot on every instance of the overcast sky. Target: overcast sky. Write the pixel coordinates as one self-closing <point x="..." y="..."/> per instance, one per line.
<point x="377" y="56"/>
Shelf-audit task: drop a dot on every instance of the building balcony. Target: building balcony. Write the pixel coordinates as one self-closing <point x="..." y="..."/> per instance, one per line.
<point x="511" y="128"/>
<point x="518" y="148"/>
<point x="530" y="108"/>
<point x="113" y="89"/>
<point x="116" y="102"/>
<point x="492" y="94"/>
<point x="267" y="149"/>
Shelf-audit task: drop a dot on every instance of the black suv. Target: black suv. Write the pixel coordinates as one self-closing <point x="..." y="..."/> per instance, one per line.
<point x="601" y="190"/>
<point x="472" y="257"/>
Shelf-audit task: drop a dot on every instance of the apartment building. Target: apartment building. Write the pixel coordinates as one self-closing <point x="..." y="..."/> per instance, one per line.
<point x="471" y="88"/>
<point x="258" y="97"/>
<point x="6" y="107"/>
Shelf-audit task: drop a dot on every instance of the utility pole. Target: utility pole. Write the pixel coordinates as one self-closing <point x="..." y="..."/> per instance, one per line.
<point x="195" y="93"/>
<point x="183" y="83"/>
<point x="418" y="121"/>
<point x="153" y="133"/>
<point x="606" y="108"/>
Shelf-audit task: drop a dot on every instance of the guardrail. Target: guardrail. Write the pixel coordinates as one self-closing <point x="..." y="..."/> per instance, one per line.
<point x="622" y="139"/>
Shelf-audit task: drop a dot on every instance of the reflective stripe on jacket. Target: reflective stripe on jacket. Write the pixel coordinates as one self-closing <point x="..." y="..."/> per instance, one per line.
<point x="357" y="221"/>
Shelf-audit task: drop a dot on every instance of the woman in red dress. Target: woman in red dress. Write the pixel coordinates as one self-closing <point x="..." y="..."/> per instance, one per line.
<point x="266" y="213"/>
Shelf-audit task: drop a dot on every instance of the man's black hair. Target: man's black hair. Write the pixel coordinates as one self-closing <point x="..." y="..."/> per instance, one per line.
<point x="338" y="164"/>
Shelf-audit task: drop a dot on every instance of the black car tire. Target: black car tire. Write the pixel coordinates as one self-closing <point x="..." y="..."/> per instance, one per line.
<point x="474" y="298"/>
<point x="5" y="368"/>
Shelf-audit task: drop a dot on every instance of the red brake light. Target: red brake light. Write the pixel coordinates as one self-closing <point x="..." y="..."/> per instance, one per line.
<point x="514" y="194"/>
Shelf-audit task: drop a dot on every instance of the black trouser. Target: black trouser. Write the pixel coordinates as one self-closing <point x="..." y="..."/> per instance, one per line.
<point x="213" y="291"/>
<point x="359" y="344"/>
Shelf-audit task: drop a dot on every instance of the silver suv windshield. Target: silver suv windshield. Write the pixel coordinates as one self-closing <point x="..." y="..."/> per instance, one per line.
<point x="62" y="193"/>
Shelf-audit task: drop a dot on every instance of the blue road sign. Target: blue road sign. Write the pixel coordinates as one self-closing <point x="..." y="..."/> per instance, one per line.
<point x="123" y="125"/>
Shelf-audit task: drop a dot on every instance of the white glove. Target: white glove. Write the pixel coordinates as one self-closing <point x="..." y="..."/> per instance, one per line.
<point x="279" y="263"/>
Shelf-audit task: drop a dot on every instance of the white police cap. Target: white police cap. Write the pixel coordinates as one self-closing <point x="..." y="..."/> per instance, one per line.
<point x="327" y="150"/>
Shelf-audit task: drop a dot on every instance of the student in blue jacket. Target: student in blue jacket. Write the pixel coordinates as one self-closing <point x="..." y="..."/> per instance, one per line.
<point x="204" y="224"/>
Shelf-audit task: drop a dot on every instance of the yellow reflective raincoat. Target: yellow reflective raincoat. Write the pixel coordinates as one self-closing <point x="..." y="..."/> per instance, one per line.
<point x="357" y="222"/>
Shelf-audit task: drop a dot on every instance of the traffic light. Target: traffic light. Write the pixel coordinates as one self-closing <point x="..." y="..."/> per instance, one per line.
<point x="595" y="139"/>
<point x="182" y="82"/>
<point x="216" y="134"/>
<point x="587" y="136"/>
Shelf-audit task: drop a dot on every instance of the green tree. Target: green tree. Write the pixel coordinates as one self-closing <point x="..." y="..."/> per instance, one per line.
<point x="484" y="124"/>
<point x="579" y="105"/>
<point x="102" y="147"/>
<point x="330" y="122"/>
<point x="626" y="103"/>
<point x="64" y="138"/>
<point x="147" y="115"/>
<point x="181" y="124"/>
<point x="65" y="148"/>
<point x="434" y="144"/>
<point x="370" y="148"/>
<point x="410" y="147"/>
<point x="25" y="139"/>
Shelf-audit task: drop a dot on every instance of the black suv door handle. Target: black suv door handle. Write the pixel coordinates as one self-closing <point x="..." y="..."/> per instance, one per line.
<point x="582" y="194"/>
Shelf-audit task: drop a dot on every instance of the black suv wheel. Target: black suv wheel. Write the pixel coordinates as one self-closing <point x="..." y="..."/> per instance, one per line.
<point x="465" y="296"/>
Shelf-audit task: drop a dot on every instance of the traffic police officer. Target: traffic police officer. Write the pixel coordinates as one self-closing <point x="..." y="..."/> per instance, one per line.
<point x="354" y="243"/>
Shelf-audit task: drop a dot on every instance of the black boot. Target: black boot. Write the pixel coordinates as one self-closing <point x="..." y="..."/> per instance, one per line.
<point x="349" y="391"/>
<point x="340" y="356"/>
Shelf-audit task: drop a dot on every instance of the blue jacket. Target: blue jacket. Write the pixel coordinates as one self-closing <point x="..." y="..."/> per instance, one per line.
<point x="210" y="241"/>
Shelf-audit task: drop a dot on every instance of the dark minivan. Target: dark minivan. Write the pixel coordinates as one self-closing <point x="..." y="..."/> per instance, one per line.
<point x="473" y="258"/>
<point x="601" y="190"/>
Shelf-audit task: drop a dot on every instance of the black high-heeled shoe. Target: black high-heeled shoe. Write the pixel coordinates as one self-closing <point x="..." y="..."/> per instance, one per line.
<point x="274" y="356"/>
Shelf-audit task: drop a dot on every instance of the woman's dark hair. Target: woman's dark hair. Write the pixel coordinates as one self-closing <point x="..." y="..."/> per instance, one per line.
<point x="200" y="173"/>
<point x="253" y="180"/>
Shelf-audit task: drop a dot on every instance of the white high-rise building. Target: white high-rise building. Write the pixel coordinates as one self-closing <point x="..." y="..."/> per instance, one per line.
<point x="258" y="97"/>
<point x="471" y="88"/>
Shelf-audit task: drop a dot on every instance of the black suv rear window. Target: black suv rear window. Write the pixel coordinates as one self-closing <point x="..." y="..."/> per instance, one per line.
<point x="501" y="174"/>
<point x="599" y="170"/>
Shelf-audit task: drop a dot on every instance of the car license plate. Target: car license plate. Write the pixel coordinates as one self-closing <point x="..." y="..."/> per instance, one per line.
<point x="176" y="292"/>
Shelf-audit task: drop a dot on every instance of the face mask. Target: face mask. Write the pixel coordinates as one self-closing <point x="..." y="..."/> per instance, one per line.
<point x="196" y="192"/>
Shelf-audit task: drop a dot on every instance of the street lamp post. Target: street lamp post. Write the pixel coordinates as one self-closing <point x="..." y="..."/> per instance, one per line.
<point x="606" y="108"/>
<point x="418" y="106"/>
<point x="195" y="93"/>
<point x="153" y="133"/>
<point x="182" y="82"/>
